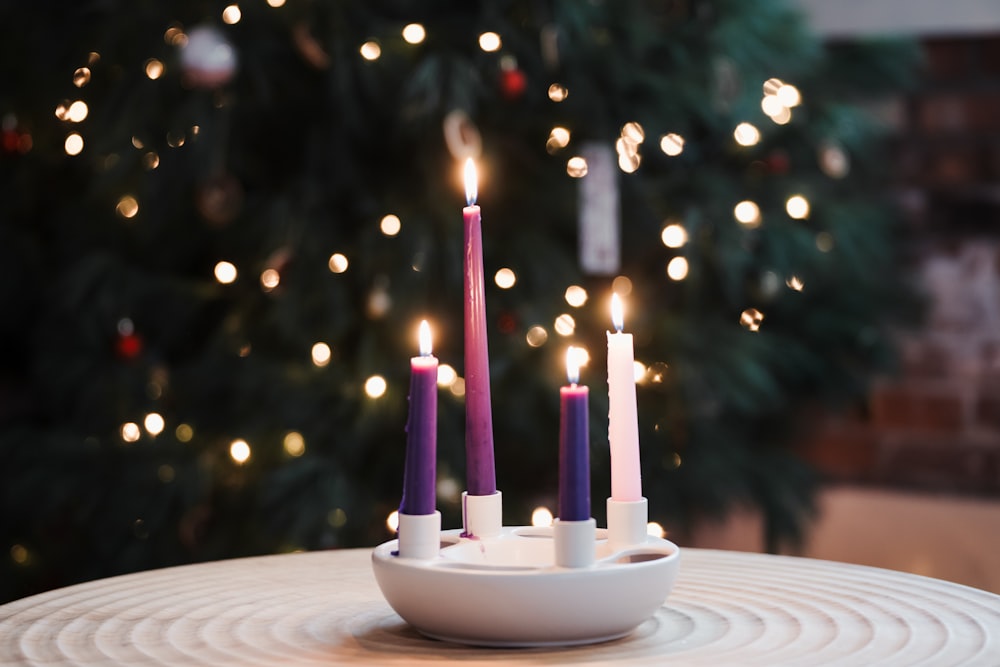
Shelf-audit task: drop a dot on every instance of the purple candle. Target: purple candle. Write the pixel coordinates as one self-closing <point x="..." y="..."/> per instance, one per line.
<point x="480" y="472"/>
<point x="574" y="445"/>
<point x="420" y="471"/>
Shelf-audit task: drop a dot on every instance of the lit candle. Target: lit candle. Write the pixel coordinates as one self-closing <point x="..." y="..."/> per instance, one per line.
<point x="419" y="474"/>
<point x="574" y="445"/>
<point x="623" y="423"/>
<point x="480" y="471"/>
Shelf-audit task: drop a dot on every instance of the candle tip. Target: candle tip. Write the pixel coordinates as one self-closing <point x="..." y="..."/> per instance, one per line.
<point x="424" y="337"/>
<point x="617" y="312"/>
<point x="573" y="365"/>
<point x="471" y="182"/>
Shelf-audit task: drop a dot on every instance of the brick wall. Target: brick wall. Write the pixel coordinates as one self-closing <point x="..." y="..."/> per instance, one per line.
<point x="936" y="425"/>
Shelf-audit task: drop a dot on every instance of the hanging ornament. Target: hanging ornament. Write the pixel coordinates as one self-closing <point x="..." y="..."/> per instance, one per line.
<point x="220" y="199"/>
<point x="513" y="80"/>
<point x="208" y="59"/>
<point x="833" y="159"/>
<point x="461" y="136"/>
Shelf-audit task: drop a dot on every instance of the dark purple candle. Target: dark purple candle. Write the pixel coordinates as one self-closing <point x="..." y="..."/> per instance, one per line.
<point x="480" y="472"/>
<point x="420" y="471"/>
<point x="574" y="445"/>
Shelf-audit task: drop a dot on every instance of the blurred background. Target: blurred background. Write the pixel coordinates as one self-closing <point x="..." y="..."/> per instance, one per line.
<point x="222" y="221"/>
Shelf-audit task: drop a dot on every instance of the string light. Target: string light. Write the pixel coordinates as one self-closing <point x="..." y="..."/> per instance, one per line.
<point x="321" y="354"/>
<point x="655" y="530"/>
<point x="414" y="33"/>
<point x="771" y="86"/>
<point x="336" y="517"/>
<point x="674" y="235"/>
<point x="677" y="268"/>
<point x="558" y="92"/>
<point x="269" y="279"/>
<point x="565" y="325"/>
<point x="375" y="386"/>
<point x="130" y="432"/>
<point x="746" y="134"/>
<point x="338" y="263"/>
<point x="370" y="50"/>
<point x="81" y="77"/>
<point x="536" y="336"/>
<point x="294" y="444"/>
<point x="392" y="521"/>
<point x="154" y="423"/>
<point x="541" y="517"/>
<point x="76" y="112"/>
<point x="576" y="167"/>
<point x="489" y="42"/>
<point x="446" y="375"/>
<point x="127" y="207"/>
<point x="505" y="278"/>
<point x="174" y="36"/>
<point x="225" y="272"/>
<point x="19" y="554"/>
<point x="638" y="370"/>
<point x="184" y="433"/>
<point x="795" y="283"/>
<point x="151" y="160"/>
<point x="622" y="285"/>
<point x="457" y="388"/>
<point x="558" y="138"/>
<point x="575" y="296"/>
<point x="789" y="95"/>
<point x="74" y="144"/>
<point x="231" y="15"/>
<point x="239" y="451"/>
<point x="797" y="207"/>
<point x="747" y="213"/>
<point x="154" y="69"/>
<point x="390" y="225"/>
<point x="751" y="319"/>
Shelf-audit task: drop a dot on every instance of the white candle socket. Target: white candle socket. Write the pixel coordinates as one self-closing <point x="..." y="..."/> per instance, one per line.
<point x="482" y="516"/>
<point x="575" y="542"/>
<point x="419" y="535"/>
<point x="627" y="520"/>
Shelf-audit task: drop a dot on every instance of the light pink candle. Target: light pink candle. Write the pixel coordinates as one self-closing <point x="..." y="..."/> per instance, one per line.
<point x="480" y="471"/>
<point x="623" y="422"/>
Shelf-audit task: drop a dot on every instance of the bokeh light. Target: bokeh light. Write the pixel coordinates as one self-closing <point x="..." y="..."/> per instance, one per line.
<point x="541" y="517"/>
<point x="536" y="336"/>
<point x="73" y="144"/>
<point x="338" y="263"/>
<point x="375" y="386"/>
<point x="239" y="451"/>
<point x="558" y="92"/>
<point x="746" y="134"/>
<point x="390" y="225"/>
<point x="674" y="235"/>
<point x="677" y="268"/>
<point x="321" y="354"/>
<point x="575" y="296"/>
<point x="797" y="207"/>
<point x="747" y="213"/>
<point x="269" y="279"/>
<point x="489" y="41"/>
<point x="576" y="167"/>
<point x="672" y="144"/>
<point x="154" y="423"/>
<point x="130" y="432"/>
<point x="565" y="325"/>
<point x="225" y="272"/>
<point x="231" y="15"/>
<point x="127" y="207"/>
<point x="505" y="278"/>
<point x="414" y="33"/>
<point x="371" y="50"/>
<point x="294" y="444"/>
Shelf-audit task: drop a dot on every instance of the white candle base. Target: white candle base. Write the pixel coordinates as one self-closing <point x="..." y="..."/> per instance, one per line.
<point x="575" y="542"/>
<point x="627" y="520"/>
<point x="419" y="535"/>
<point x="508" y="590"/>
<point x="482" y="516"/>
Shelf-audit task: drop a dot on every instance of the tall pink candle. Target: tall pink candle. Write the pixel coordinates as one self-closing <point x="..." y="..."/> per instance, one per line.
<point x="480" y="471"/>
<point x="623" y="422"/>
<point x="420" y="470"/>
<point x="574" y="445"/>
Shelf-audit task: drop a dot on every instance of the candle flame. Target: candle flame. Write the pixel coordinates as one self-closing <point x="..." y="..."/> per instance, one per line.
<point x="471" y="182"/>
<point x="424" y="336"/>
<point x="573" y="364"/>
<point x="617" y="312"/>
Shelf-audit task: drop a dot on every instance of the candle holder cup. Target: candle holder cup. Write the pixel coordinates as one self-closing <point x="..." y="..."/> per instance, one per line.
<point x="510" y="590"/>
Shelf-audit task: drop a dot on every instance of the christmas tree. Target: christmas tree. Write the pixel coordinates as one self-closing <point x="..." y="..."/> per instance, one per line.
<point x="222" y="224"/>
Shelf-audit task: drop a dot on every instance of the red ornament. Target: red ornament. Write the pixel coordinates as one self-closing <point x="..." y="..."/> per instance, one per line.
<point x="128" y="346"/>
<point x="11" y="140"/>
<point x="778" y="162"/>
<point x="513" y="83"/>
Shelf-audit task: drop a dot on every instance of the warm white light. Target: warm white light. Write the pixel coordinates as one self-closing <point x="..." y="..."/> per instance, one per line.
<point x="154" y="423"/>
<point x="677" y="268"/>
<point x="565" y="325"/>
<point x="575" y="296"/>
<point x="536" y="336"/>
<point x="617" y="312"/>
<point x="789" y="95"/>
<point x="392" y="521"/>
<point x="294" y="444"/>
<point x="470" y="178"/>
<point x="656" y="530"/>
<point x="81" y="77"/>
<point x="130" y="432"/>
<point x="239" y="451"/>
<point x="558" y="138"/>
<point x="746" y="134"/>
<point x="633" y="133"/>
<point x="672" y="144"/>
<point x="375" y="386"/>
<point x="424" y="338"/>
<point x="371" y="50"/>
<point x="747" y="213"/>
<point x="338" y="263"/>
<point x="446" y="375"/>
<point x="321" y="354"/>
<point x="797" y="207"/>
<point x="638" y="370"/>
<point x="457" y="387"/>
<point x="772" y="86"/>
<point x="390" y="225"/>
<point x="795" y="283"/>
<point x="505" y="278"/>
<point x="629" y="162"/>
<point x="127" y="207"/>
<point x="576" y="167"/>
<point x="154" y="69"/>
<point x="269" y="279"/>
<point x="541" y="517"/>
<point x="225" y="272"/>
<point x="489" y="41"/>
<point x="275" y="3"/>
<point x="77" y="112"/>
<point x="622" y="285"/>
<point x="414" y="33"/>
<point x="783" y="117"/>
<point x="751" y="319"/>
<point x="558" y="92"/>
<point x="771" y="105"/>
<point x="231" y="15"/>
<point x="674" y="235"/>
<point x="74" y="144"/>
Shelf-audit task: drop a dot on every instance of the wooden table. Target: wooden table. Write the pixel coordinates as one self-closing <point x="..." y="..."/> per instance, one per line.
<point x="324" y="608"/>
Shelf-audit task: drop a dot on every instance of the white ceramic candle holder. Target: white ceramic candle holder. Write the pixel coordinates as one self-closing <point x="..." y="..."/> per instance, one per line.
<point x="508" y="590"/>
